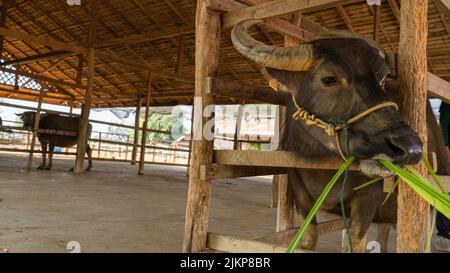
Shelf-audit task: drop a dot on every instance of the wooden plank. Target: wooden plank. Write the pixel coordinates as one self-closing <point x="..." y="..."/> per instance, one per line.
<point x="215" y="171"/>
<point x="246" y="92"/>
<point x="305" y="33"/>
<point x="413" y="218"/>
<point x="207" y="41"/>
<point x="445" y="179"/>
<point x="231" y="244"/>
<point x="284" y="237"/>
<point x="39" y="57"/>
<point x="42" y="40"/>
<point x="145" y="126"/>
<point x="270" y="9"/>
<point x="273" y="159"/>
<point x="438" y="87"/>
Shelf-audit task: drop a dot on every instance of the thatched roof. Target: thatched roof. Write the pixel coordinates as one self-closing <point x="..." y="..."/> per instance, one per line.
<point x="148" y="33"/>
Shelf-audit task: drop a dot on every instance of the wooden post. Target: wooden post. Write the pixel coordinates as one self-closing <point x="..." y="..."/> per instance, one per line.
<point x="285" y="204"/>
<point x="376" y="22"/>
<point x="136" y="130"/>
<point x="237" y="132"/>
<point x="145" y="126"/>
<point x="207" y="48"/>
<point x="413" y="211"/>
<point x="84" y="119"/>
<point x="35" y="128"/>
<point x="99" y="144"/>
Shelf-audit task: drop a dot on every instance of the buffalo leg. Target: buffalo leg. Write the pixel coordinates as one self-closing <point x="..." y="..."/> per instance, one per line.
<point x="304" y="203"/>
<point x="89" y="154"/>
<point x="51" y="150"/>
<point x="44" y="156"/>
<point x="364" y="204"/>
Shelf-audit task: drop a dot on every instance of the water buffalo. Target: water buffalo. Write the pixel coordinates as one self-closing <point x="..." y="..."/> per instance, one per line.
<point x="335" y="78"/>
<point x="55" y="122"/>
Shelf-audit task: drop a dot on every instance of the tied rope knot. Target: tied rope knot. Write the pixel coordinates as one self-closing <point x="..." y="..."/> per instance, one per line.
<point x="333" y="127"/>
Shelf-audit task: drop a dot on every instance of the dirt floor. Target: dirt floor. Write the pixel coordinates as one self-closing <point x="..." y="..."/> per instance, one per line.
<point x="112" y="209"/>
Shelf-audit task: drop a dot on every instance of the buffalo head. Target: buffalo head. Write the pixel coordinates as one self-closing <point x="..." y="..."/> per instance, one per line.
<point x="336" y="78"/>
<point x="27" y="119"/>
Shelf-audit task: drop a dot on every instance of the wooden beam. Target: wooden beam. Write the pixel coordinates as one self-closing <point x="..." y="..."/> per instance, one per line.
<point x="136" y="130"/>
<point x="42" y="40"/>
<point x="42" y="78"/>
<point x="246" y="92"/>
<point x="207" y="40"/>
<point x="413" y="218"/>
<point x="270" y="9"/>
<point x="140" y="66"/>
<point x="273" y="159"/>
<point x="85" y="112"/>
<point x="80" y="68"/>
<point x="147" y="37"/>
<point x="231" y="244"/>
<point x="145" y="126"/>
<point x="39" y="57"/>
<point x="438" y="87"/>
<point x="216" y="171"/>
<point x="345" y="17"/>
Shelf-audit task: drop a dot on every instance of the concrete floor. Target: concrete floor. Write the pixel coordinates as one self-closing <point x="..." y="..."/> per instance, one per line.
<point x="112" y="209"/>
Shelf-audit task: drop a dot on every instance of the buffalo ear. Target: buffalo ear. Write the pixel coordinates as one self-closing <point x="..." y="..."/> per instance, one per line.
<point x="21" y="115"/>
<point x="281" y="80"/>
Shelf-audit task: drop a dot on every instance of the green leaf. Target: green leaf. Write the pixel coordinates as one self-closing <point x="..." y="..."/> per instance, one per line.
<point x="298" y="237"/>
<point x="435" y="198"/>
<point x="373" y="181"/>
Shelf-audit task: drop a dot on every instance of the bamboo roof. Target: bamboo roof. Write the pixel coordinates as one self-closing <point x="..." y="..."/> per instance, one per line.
<point x="148" y="33"/>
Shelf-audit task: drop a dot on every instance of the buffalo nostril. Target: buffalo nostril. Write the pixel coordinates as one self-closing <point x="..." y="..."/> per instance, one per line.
<point x="405" y="150"/>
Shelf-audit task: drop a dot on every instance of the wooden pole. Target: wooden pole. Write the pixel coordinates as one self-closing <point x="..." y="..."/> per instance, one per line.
<point x="376" y="22"/>
<point x="35" y="128"/>
<point x="413" y="211"/>
<point x="207" y="48"/>
<point x="136" y="130"/>
<point x="84" y="119"/>
<point x="237" y="132"/>
<point x="145" y="126"/>
<point x="285" y="204"/>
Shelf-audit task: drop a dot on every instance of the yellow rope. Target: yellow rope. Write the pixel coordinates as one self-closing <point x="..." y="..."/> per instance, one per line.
<point x="332" y="129"/>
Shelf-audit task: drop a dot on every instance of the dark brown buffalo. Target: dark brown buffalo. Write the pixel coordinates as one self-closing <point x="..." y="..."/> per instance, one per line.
<point x="337" y="77"/>
<point x="60" y="123"/>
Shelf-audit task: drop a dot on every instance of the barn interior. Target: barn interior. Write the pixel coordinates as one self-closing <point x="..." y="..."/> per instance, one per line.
<point x="141" y="54"/>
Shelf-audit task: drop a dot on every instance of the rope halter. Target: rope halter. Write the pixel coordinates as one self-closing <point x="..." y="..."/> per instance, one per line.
<point x="333" y="129"/>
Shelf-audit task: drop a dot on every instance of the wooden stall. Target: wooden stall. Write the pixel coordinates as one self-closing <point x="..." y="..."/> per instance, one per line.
<point x="106" y="54"/>
<point x="208" y="164"/>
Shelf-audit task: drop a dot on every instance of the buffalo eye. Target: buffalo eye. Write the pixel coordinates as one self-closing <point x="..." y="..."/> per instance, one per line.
<point x="329" y="81"/>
